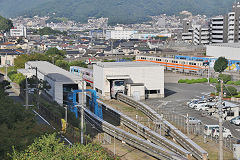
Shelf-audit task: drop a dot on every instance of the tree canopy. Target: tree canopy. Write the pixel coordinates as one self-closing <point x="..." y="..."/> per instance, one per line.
<point x="17" y="125"/>
<point x="49" y="31"/>
<point x="50" y="147"/>
<point x="220" y="64"/>
<point x="5" y="24"/>
<point x="55" y="51"/>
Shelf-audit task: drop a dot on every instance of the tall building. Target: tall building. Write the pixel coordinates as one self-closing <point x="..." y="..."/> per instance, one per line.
<point x="201" y="35"/>
<point x="225" y="28"/>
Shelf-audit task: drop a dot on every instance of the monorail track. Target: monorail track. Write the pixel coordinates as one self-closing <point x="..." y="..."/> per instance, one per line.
<point x="176" y="134"/>
<point x="135" y="141"/>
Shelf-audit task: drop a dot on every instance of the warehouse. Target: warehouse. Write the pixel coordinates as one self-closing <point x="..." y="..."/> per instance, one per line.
<point x="139" y="80"/>
<point x="61" y="81"/>
<point x="230" y="51"/>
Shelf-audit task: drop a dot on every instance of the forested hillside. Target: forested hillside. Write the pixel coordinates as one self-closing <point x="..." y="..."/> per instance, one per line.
<point x="119" y="11"/>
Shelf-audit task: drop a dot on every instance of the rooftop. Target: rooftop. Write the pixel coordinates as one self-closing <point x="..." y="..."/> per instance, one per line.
<point x="53" y="72"/>
<point x="127" y="64"/>
<point x="231" y="45"/>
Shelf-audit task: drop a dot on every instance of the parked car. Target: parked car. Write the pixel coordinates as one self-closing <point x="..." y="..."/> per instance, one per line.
<point x="235" y="120"/>
<point x="192" y="101"/>
<point x="209" y="129"/>
<point x="193" y="120"/>
<point x="226" y="133"/>
<point x="198" y="104"/>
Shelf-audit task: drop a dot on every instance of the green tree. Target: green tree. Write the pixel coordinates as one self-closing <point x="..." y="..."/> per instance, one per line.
<point x="50" y="147"/>
<point x="225" y="77"/>
<point x="17" y="125"/>
<point x="63" y="64"/>
<point x="231" y="91"/>
<point x="5" y="24"/>
<point x="55" y="51"/>
<point x="220" y="64"/>
<point x="78" y="63"/>
<point x="20" y="61"/>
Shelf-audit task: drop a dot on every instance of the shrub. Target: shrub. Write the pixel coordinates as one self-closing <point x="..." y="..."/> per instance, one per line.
<point x="213" y="80"/>
<point x="231" y="83"/>
<point x="188" y="81"/>
<point x="182" y="81"/>
<point x="231" y="91"/>
<point x="237" y="83"/>
<point x="225" y="77"/>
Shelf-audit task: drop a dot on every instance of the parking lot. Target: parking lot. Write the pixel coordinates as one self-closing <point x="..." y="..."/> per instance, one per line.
<point x="176" y="98"/>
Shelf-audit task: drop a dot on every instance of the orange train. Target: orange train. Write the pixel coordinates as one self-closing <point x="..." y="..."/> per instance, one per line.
<point x="180" y="65"/>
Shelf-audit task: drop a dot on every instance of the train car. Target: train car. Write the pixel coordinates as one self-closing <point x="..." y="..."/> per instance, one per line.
<point x="179" y="65"/>
<point x="86" y="73"/>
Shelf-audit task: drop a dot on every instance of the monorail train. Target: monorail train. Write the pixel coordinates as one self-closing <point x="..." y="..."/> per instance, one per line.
<point x="85" y="72"/>
<point x="180" y="65"/>
<point x="233" y="65"/>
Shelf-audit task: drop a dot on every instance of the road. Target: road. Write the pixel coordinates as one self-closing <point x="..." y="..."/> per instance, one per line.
<point x="177" y="95"/>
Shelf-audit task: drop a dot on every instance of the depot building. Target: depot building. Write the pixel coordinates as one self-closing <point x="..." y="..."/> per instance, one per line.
<point x="142" y="80"/>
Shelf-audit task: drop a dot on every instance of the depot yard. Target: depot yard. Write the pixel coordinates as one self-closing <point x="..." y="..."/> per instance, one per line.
<point x="176" y="98"/>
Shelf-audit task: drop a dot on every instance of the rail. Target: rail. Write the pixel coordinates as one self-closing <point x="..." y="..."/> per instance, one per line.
<point x="176" y="134"/>
<point x="146" y="132"/>
<point x="131" y="139"/>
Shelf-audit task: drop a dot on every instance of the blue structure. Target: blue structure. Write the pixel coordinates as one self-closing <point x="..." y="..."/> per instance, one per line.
<point x="92" y="103"/>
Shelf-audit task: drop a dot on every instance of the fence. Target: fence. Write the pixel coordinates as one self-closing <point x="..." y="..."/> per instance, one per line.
<point x="180" y="121"/>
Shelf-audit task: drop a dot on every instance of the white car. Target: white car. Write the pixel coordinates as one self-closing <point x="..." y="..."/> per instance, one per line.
<point x="198" y="104"/>
<point x="226" y="133"/>
<point x="235" y="120"/>
<point x="193" y="120"/>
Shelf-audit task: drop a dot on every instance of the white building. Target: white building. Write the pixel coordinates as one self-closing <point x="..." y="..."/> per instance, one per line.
<point x="18" y="32"/>
<point x="201" y="35"/>
<point x="143" y="77"/>
<point x="61" y="81"/>
<point x="119" y="33"/>
<point x="219" y="29"/>
<point x="227" y="50"/>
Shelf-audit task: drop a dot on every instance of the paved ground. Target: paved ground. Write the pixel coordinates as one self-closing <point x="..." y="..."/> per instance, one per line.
<point x="177" y="95"/>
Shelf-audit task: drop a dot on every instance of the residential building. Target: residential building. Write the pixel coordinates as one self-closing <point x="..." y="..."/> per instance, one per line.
<point x="18" y="32"/>
<point x="119" y="33"/>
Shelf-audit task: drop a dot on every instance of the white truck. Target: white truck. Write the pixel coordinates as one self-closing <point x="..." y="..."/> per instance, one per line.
<point x="117" y="86"/>
<point x="226" y="133"/>
<point x="235" y="120"/>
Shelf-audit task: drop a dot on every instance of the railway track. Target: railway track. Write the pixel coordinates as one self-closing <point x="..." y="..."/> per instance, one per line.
<point x="145" y="132"/>
<point x="135" y="141"/>
<point x="176" y="134"/>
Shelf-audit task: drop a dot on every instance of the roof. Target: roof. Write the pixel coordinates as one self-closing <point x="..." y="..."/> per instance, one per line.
<point x="11" y="51"/>
<point x="55" y="73"/>
<point x="127" y="64"/>
<point x="231" y="45"/>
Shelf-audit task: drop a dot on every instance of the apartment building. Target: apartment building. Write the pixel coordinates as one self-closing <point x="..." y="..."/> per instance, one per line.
<point x="225" y="28"/>
<point x="201" y="35"/>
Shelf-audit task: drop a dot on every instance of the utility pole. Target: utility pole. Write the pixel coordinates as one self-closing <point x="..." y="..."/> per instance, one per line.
<point x="26" y="92"/>
<point x="82" y="111"/>
<point x="209" y="73"/>
<point x="65" y="113"/>
<point x="6" y="67"/>
<point x="220" y="124"/>
<point x="37" y="89"/>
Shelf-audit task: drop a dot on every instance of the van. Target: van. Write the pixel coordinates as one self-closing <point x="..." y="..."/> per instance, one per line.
<point x="209" y="129"/>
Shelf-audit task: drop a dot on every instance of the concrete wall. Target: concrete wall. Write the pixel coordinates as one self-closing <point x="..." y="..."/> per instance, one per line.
<point x="152" y="77"/>
<point x="222" y="51"/>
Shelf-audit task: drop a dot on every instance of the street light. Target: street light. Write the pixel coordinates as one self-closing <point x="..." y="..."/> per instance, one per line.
<point x="36" y="85"/>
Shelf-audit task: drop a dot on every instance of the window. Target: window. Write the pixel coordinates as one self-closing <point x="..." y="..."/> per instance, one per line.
<point x="230" y="113"/>
<point x="119" y="83"/>
<point x="152" y="92"/>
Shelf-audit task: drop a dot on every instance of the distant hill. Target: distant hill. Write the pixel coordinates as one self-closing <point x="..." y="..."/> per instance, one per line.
<point x="118" y="11"/>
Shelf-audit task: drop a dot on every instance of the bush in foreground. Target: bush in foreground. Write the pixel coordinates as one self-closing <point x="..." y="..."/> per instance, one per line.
<point x="50" y="147"/>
